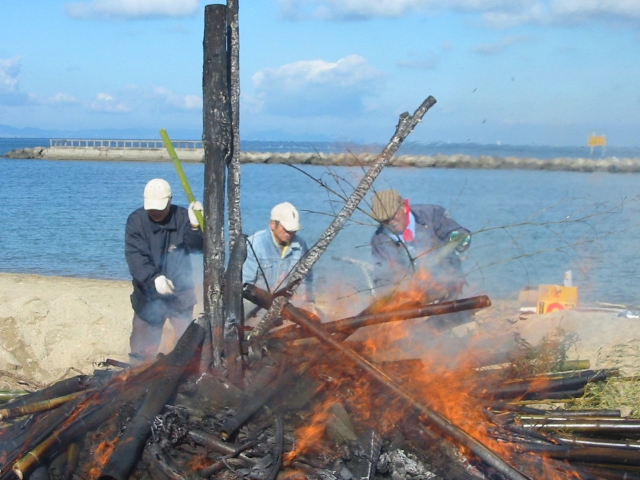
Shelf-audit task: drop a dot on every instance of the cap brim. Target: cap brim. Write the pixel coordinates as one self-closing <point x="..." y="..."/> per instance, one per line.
<point x="156" y="203"/>
<point x="290" y="226"/>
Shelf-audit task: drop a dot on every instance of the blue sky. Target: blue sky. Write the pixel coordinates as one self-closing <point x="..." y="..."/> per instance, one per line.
<point x="510" y="71"/>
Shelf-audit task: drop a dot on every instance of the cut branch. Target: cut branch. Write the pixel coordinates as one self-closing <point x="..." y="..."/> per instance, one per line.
<point x="405" y="126"/>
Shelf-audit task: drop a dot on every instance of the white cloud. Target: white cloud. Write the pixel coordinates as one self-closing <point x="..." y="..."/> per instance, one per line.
<point x="9" y="71"/>
<point x="62" y="99"/>
<point x="494" y="13"/>
<point x="499" y="46"/>
<point x="10" y="94"/>
<point x="132" y="8"/>
<point x="317" y="87"/>
<point x="105" y="102"/>
<point x="183" y="102"/>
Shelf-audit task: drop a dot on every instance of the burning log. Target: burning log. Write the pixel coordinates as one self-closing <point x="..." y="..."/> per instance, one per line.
<point x="100" y="406"/>
<point x="449" y="429"/>
<point x="129" y="446"/>
<point x="351" y="324"/>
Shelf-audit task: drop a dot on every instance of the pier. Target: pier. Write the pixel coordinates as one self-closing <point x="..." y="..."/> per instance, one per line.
<point x="192" y="151"/>
<point x="123" y="150"/>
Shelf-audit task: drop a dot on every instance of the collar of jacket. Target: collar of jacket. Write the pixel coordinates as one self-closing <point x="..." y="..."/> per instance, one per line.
<point x="169" y="225"/>
<point x="294" y="245"/>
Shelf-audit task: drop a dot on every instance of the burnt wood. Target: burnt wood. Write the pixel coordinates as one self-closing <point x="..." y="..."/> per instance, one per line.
<point x="216" y="141"/>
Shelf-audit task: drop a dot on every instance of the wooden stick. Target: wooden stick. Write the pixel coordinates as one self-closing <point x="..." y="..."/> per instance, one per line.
<point x="405" y="126"/>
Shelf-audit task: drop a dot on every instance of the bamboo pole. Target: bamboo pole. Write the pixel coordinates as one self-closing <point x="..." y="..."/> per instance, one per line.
<point x="217" y="150"/>
<point x="181" y="175"/>
<point x="405" y="126"/>
<point x="50" y="404"/>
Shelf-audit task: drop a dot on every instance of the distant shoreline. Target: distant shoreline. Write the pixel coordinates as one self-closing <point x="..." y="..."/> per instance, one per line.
<point x="463" y="161"/>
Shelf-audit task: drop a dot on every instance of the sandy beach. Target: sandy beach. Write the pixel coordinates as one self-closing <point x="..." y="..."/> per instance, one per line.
<point x="56" y="327"/>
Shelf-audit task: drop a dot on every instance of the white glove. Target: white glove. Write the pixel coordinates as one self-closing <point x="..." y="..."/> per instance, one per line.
<point x="164" y="286"/>
<point x="193" y="206"/>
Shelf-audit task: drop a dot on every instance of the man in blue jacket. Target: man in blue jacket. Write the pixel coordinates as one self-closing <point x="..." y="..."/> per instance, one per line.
<point x="273" y="253"/>
<point x="417" y="242"/>
<point x="158" y="240"/>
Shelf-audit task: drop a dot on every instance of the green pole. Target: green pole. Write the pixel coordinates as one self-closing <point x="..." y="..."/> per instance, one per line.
<point x="183" y="177"/>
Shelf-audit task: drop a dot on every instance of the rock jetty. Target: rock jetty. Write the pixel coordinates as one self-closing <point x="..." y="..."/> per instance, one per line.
<point x="609" y="164"/>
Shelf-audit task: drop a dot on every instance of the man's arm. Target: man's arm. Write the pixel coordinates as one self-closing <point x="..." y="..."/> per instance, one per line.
<point x="444" y="225"/>
<point x="138" y="255"/>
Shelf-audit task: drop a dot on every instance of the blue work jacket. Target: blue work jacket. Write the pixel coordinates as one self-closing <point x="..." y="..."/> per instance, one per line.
<point x="262" y="251"/>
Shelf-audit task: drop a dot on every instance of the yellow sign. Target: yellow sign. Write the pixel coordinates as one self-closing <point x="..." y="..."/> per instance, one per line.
<point x="597" y="141"/>
<point x="556" y="297"/>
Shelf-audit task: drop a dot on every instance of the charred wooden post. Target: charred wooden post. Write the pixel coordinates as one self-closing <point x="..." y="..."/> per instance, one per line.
<point x="216" y="140"/>
<point x="405" y="126"/>
<point x="130" y="445"/>
<point x="445" y="426"/>
<point x="233" y="168"/>
<point x="234" y="315"/>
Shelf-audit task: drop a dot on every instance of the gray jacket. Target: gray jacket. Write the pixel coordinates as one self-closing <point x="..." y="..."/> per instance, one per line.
<point x="395" y="260"/>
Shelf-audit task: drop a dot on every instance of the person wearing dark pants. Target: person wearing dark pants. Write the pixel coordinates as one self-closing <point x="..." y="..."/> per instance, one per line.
<point x="159" y="238"/>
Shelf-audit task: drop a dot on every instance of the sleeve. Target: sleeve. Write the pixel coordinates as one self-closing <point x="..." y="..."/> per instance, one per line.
<point x="193" y="239"/>
<point x="138" y="255"/>
<point x="444" y="225"/>
<point x="250" y="266"/>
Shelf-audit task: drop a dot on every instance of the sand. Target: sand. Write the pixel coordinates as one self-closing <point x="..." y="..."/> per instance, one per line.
<point x="56" y="327"/>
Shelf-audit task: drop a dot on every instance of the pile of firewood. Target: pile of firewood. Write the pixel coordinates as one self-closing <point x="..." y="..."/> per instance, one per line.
<point x="313" y="408"/>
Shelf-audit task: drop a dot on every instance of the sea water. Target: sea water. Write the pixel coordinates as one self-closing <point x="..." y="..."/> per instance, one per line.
<point x="529" y="227"/>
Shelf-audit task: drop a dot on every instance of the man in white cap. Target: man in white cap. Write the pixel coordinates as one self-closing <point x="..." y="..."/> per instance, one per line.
<point x="273" y="253"/>
<point x="158" y="240"/>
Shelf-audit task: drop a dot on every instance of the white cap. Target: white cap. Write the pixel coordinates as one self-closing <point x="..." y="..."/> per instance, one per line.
<point x="287" y="215"/>
<point x="157" y="194"/>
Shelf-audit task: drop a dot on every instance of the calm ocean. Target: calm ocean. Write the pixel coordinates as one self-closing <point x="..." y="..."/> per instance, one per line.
<point x="67" y="218"/>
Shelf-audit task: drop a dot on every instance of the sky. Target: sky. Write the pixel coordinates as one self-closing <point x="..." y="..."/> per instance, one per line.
<point x="521" y="72"/>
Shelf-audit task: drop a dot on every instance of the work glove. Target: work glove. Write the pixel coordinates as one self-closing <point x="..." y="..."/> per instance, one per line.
<point x="164" y="286"/>
<point x="193" y="206"/>
<point x="455" y="236"/>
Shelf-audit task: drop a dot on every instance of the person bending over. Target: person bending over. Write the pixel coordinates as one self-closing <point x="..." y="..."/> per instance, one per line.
<point x="417" y="242"/>
<point x="159" y="237"/>
<point x="273" y="253"/>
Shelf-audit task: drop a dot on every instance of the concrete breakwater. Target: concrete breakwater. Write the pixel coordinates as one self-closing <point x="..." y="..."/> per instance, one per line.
<point x="195" y="155"/>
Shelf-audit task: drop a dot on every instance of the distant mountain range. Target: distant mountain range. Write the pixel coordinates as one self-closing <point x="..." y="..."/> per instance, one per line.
<point x="7" y="131"/>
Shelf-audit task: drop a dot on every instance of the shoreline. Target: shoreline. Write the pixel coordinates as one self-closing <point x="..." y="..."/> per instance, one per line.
<point x="54" y="327"/>
<point x="460" y="161"/>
